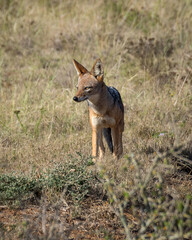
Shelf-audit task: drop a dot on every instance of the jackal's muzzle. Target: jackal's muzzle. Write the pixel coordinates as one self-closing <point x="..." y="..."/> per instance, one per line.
<point x="80" y="99"/>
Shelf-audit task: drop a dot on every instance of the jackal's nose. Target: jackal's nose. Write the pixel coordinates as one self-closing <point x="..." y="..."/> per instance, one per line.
<point x="75" y="99"/>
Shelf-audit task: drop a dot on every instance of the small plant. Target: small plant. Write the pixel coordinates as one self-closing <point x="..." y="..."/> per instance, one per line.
<point x="72" y="178"/>
<point x="24" y="128"/>
<point x="14" y="188"/>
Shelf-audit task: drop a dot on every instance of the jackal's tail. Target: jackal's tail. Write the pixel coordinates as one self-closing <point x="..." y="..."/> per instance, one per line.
<point x="108" y="138"/>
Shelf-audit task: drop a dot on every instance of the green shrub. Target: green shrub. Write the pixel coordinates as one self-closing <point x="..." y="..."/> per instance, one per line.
<point x="73" y="178"/>
<point x="17" y="187"/>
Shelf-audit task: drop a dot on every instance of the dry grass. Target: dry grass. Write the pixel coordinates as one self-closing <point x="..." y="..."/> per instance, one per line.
<point x="146" y="50"/>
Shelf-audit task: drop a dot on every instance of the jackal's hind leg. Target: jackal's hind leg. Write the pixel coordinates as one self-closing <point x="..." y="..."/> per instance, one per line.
<point x="117" y="142"/>
<point x="120" y="148"/>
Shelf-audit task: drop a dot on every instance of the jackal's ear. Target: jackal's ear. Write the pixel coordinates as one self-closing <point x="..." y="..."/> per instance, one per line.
<point x="97" y="70"/>
<point x="79" y="68"/>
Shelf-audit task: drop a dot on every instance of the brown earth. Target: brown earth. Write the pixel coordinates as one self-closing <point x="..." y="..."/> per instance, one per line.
<point x="95" y="220"/>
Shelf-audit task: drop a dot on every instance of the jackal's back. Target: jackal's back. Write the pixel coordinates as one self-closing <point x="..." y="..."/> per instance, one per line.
<point x="116" y="97"/>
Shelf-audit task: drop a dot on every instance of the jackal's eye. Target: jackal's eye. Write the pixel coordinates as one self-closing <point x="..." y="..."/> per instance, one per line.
<point x="88" y="88"/>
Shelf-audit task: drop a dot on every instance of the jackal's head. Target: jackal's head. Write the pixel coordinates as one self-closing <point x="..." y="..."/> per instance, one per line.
<point x="89" y="83"/>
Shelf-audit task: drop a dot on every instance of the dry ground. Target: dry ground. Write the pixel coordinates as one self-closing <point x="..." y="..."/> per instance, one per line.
<point x="146" y="48"/>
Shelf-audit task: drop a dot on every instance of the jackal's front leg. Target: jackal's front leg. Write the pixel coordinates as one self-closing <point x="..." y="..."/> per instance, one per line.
<point x="100" y="143"/>
<point x="94" y="144"/>
<point x="97" y="144"/>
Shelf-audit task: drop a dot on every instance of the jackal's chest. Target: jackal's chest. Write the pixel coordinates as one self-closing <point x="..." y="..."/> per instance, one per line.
<point x="102" y="121"/>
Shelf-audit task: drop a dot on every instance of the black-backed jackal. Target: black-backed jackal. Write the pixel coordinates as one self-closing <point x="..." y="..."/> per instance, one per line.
<point x="106" y="110"/>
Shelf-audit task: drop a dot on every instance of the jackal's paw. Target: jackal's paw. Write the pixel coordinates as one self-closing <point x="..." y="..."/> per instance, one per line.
<point x="101" y="156"/>
<point x="116" y="156"/>
<point x="94" y="159"/>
